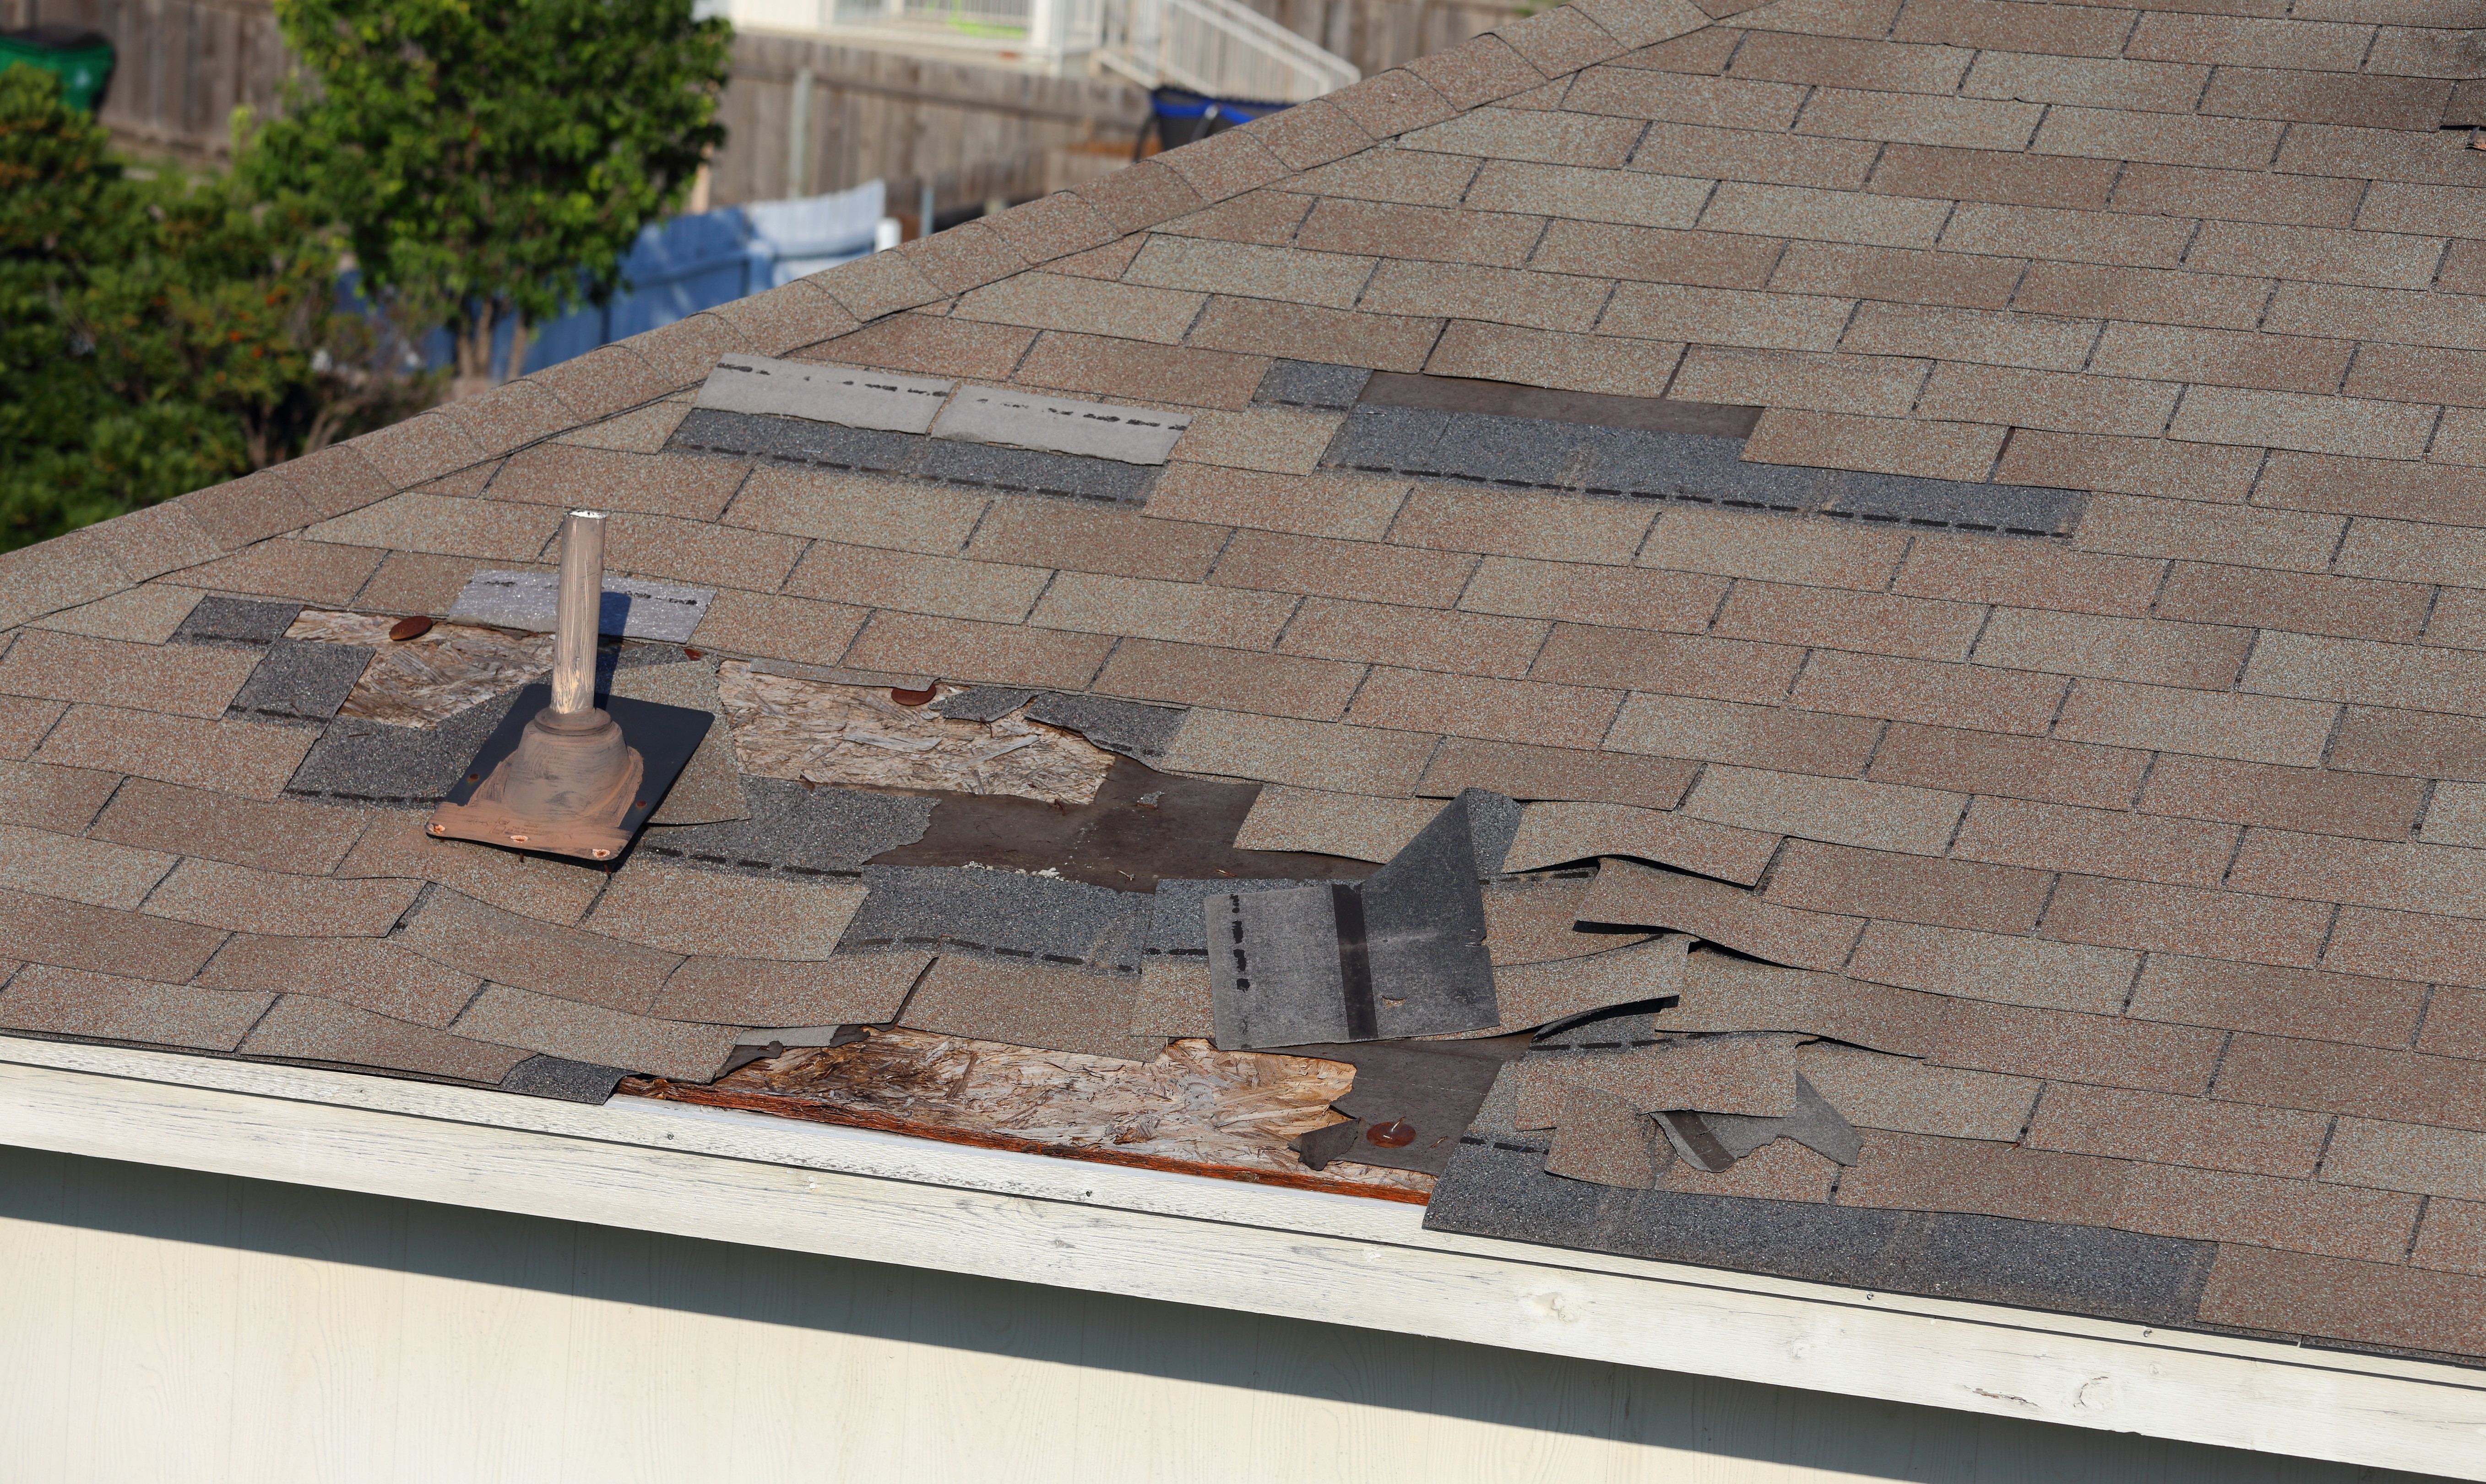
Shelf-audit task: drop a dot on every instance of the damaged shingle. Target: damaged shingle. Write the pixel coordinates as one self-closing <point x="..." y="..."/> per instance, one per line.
<point x="232" y="620"/>
<point x="1125" y="726"/>
<point x="299" y="681"/>
<point x="797" y="831"/>
<point x="796" y="441"/>
<point x="1433" y="1089"/>
<point x="1002" y="914"/>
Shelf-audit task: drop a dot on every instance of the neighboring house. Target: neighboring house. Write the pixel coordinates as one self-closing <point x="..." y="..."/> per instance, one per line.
<point x="1942" y="536"/>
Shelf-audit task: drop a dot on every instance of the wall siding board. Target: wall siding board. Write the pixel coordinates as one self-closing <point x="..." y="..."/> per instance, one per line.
<point x="271" y="1333"/>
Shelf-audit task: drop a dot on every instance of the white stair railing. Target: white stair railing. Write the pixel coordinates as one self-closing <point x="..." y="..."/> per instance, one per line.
<point x="1218" y="48"/>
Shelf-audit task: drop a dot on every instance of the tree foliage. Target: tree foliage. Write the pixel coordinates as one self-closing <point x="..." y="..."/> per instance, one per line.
<point x="160" y="332"/>
<point x="491" y="158"/>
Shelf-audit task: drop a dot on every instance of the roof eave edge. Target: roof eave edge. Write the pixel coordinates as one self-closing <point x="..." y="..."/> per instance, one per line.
<point x="744" y="1177"/>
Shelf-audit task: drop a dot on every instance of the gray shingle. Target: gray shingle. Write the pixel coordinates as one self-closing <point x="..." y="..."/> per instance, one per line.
<point x="1120" y="726"/>
<point x="234" y="620"/>
<point x="299" y="680"/>
<point x="797" y="832"/>
<point x="1032" y="920"/>
<point x="1310" y="384"/>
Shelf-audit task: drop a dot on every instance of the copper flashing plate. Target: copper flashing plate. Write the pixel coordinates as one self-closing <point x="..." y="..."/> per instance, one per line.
<point x="664" y="737"/>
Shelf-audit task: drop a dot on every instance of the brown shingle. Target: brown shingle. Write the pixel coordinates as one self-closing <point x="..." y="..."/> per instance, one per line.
<point x="846" y="989"/>
<point x="1333" y="568"/>
<point x="1922" y="448"/>
<point x="2420" y="677"/>
<point x="2452" y="1236"/>
<point x="70" y="1001"/>
<point x="2014" y="768"/>
<point x="1899" y="274"/>
<point x="786" y="628"/>
<point x="867" y="577"/>
<point x="101" y="875"/>
<point x="2150" y="296"/>
<point x="2403" y="1155"/>
<point x="1382" y="230"/>
<point x="1503" y="710"/>
<point x="2372" y="873"/>
<point x="2181" y="919"/>
<point x="185" y="679"/>
<point x="594" y="1034"/>
<point x="727" y="915"/>
<point x="2139" y="525"/>
<point x="2409" y="945"/>
<point x="1721" y="316"/>
<point x="2367" y="486"/>
<point x="2051" y="836"/>
<point x="2097" y="81"/>
<point x="1717" y="731"/>
<point x="1558" y="773"/>
<point x="1264" y="327"/>
<point x="2057" y="400"/>
<point x="2027" y="573"/>
<point x="1044" y="534"/>
<point x="2032" y="1042"/>
<point x="1054" y="301"/>
<point x="1210" y="266"/>
<point x="376" y="975"/>
<point x="1182" y="612"/>
<point x="1550" y="527"/>
<point x="2243" y="196"/>
<point x="2252" y="729"/>
<point x="1877" y="622"/>
<point x="1782" y="56"/>
<point x="2306" y="603"/>
<point x="1637" y="895"/>
<point x="995" y="653"/>
<point x="2213" y="1205"/>
<point x="1679" y="665"/>
<point x="2317" y="254"/>
<point x="243" y="899"/>
<point x="1881" y="386"/>
<point x="1349" y="505"/>
<point x="1914" y="1173"/>
<point x="2411" y="743"/>
<point x="1975" y="697"/>
<point x="1310" y="755"/>
<point x="2043" y="342"/>
<point x="1834" y="216"/>
<point x="304" y="1028"/>
<point x="2073" y="30"/>
<point x="2087" y="237"/>
<point x="396" y="844"/>
<point x="1554" y="833"/>
<point x="1412" y="177"/>
<point x="1135" y="369"/>
<point x="48" y="798"/>
<point x="1995" y="967"/>
<point x="464" y="934"/>
<point x="280" y="835"/>
<point x="2150" y="651"/>
<point x="1679" y="97"/>
<point x="1845" y="810"/>
<point x="1968" y="123"/>
<point x="1813" y="553"/>
<point x="1371" y="632"/>
<point x="2297" y="1294"/>
<point x="2223" y="357"/>
<point x="932" y="344"/>
<point x="235" y="756"/>
<point x="449" y="527"/>
<point x="1720" y="993"/>
<point x="1610" y="364"/>
<point x="2317" y="799"/>
<point x="1902" y="888"/>
<point x="2163" y="1130"/>
<point x="1253" y="681"/>
<point x="572" y="477"/>
<point x="2284" y="1001"/>
<point x="1879" y="1092"/>
<point x="1568" y="192"/>
<point x="1477" y="71"/>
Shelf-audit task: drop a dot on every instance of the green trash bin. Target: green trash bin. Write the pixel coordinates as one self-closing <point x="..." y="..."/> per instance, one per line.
<point x="82" y="58"/>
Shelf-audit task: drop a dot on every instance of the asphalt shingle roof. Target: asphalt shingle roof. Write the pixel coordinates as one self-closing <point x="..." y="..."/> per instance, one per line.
<point x="2071" y="689"/>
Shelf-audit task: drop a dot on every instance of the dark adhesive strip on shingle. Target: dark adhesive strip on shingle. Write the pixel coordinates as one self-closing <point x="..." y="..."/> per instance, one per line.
<point x="1034" y="921"/>
<point x="795" y="832"/>
<point x="1510" y="399"/>
<point x="1354" y="964"/>
<point x="1691" y="1139"/>
<point x="1496" y="1186"/>
<point x="799" y="441"/>
<point x="232" y="620"/>
<point x="1313" y="384"/>
<point x="1634" y="463"/>
<point x="299" y="680"/>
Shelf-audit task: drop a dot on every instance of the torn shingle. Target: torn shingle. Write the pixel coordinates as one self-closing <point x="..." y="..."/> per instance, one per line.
<point x="1529" y="921"/>
<point x="983" y="702"/>
<point x="1547" y="994"/>
<point x="1601" y="1139"/>
<point x="234" y="620"/>
<point x="1724" y="993"/>
<point x="299" y="681"/>
<point x="1130" y="729"/>
<point x="1401" y="955"/>
<point x="303" y="1026"/>
<point x="1000" y="914"/>
<point x="1556" y="834"/>
<point x="1814" y="1123"/>
<point x="1751" y="1074"/>
<point x="805" y="834"/>
<point x="847" y="989"/>
<point x="1033" y="1004"/>
<point x="565" y="1028"/>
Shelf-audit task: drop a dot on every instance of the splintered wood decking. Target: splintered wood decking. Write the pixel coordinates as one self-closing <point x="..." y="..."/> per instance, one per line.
<point x="1195" y="1110"/>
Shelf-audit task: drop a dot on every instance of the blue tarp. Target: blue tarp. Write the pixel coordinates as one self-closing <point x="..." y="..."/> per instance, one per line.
<point x="688" y="264"/>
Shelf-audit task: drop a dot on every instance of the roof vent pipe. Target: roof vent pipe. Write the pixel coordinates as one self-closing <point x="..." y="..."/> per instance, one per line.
<point x="571" y="784"/>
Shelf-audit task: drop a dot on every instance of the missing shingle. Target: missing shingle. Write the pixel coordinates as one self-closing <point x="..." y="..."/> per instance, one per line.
<point x="1009" y="469"/>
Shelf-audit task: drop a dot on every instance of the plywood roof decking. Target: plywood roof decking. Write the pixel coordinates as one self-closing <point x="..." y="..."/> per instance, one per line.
<point x="2174" y="814"/>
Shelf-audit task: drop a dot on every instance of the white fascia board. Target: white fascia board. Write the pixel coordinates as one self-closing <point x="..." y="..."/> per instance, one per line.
<point x="742" y="1177"/>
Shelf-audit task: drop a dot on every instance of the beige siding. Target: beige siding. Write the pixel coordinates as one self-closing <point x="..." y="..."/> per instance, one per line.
<point x="184" y="1327"/>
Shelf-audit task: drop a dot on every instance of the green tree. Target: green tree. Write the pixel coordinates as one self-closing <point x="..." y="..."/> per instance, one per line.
<point x="160" y="332"/>
<point x="493" y="160"/>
